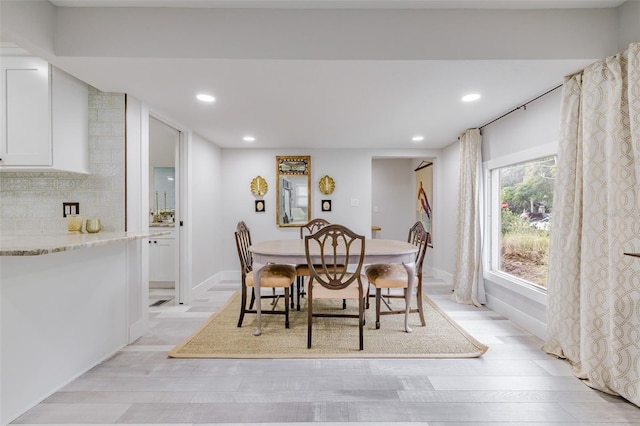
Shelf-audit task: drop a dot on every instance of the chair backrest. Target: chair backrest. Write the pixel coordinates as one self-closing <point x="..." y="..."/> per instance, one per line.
<point x="419" y="237"/>
<point x="313" y="226"/>
<point x="341" y="256"/>
<point x="243" y="242"/>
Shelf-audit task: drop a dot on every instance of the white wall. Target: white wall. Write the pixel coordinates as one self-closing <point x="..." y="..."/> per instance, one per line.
<point x="207" y="205"/>
<point x="350" y="169"/>
<point x="394" y="197"/>
<point x="628" y="24"/>
<point x="137" y="152"/>
<point x="445" y="193"/>
<point x="539" y="124"/>
<point x="520" y="131"/>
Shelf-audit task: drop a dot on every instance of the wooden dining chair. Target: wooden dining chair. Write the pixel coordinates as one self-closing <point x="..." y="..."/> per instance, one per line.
<point x="272" y="276"/>
<point x="336" y="274"/>
<point x="392" y="276"/>
<point x="302" y="270"/>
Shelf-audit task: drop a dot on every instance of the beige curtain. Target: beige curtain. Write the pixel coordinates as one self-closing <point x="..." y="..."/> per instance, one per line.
<point x="593" y="311"/>
<point x="468" y="284"/>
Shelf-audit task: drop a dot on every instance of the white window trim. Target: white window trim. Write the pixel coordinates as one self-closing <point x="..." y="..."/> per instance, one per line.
<point x="492" y="220"/>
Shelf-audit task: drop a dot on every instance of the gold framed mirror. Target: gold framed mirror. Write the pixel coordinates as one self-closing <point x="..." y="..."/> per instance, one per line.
<point x="293" y="191"/>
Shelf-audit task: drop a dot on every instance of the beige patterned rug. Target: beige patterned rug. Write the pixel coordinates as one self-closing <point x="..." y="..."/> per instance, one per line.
<point x="220" y="337"/>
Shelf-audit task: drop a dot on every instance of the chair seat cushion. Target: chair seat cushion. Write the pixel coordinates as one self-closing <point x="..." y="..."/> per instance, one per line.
<point x="303" y="270"/>
<point x="387" y="275"/>
<point x="274" y="275"/>
<point x="349" y="292"/>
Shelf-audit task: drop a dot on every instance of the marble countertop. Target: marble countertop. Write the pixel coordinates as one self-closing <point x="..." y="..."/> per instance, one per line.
<point x="162" y="225"/>
<point x="34" y="245"/>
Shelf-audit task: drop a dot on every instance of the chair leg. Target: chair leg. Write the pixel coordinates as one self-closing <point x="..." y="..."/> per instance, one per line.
<point x="344" y="303"/>
<point x="292" y="293"/>
<point x="253" y="298"/>
<point x="309" y="317"/>
<point x="378" y="301"/>
<point x="300" y="285"/>
<point x="243" y="305"/>
<point x="367" y="297"/>
<point x="286" y="308"/>
<point x="420" y="310"/>
<point x="361" y="322"/>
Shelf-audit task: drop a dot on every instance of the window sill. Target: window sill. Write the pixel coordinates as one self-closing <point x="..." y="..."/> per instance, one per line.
<point x="518" y="286"/>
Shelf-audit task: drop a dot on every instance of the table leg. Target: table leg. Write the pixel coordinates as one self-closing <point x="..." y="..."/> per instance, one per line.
<point x="257" y="272"/>
<point x="411" y="272"/>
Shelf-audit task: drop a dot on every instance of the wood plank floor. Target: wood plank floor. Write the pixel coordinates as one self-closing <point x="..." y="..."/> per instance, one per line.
<point x="514" y="383"/>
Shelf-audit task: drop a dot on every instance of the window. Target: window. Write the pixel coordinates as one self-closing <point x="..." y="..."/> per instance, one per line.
<point x="520" y="211"/>
<point x="302" y="195"/>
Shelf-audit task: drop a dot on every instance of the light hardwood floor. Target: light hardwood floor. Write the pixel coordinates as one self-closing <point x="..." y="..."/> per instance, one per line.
<point x="513" y="383"/>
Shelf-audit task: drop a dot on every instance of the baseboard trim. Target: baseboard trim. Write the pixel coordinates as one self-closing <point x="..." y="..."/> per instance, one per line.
<point x="138" y="329"/>
<point x="532" y="325"/>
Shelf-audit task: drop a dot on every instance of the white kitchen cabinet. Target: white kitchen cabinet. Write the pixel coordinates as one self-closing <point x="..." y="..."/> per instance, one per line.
<point x="44" y="116"/>
<point x="162" y="255"/>
<point x="26" y="112"/>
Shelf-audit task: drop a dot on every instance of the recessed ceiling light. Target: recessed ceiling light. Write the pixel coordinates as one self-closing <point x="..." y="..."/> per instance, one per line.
<point x="417" y="138"/>
<point x="205" y="98"/>
<point x="249" y="139"/>
<point x="470" y="97"/>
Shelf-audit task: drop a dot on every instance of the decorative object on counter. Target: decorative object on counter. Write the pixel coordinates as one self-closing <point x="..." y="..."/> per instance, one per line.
<point x="93" y="226"/>
<point x="164" y="205"/>
<point x="74" y="224"/>
<point x="260" y="206"/>
<point x="326" y="205"/>
<point x="164" y="215"/>
<point x="259" y="186"/>
<point x="326" y="185"/>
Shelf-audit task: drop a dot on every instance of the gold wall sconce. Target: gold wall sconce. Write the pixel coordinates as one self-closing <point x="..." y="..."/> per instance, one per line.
<point x="326" y="185"/>
<point x="259" y="186"/>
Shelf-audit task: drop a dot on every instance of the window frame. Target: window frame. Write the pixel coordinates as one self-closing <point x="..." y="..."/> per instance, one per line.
<point x="492" y="221"/>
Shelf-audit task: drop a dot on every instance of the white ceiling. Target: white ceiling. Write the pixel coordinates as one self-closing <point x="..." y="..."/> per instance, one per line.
<point x="354" y="98"/>
<point x="367" y="4"/>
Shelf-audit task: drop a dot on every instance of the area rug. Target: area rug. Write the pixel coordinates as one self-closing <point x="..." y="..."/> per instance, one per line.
<point x="220" y="337"/>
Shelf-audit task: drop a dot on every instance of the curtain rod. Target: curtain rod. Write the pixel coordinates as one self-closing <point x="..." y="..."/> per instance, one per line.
<point x="524" y="105"/>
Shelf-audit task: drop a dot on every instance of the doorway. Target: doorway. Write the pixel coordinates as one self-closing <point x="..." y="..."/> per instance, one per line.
<point x="164" y="212"/>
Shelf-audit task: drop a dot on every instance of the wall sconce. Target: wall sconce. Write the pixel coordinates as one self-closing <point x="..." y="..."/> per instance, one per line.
<point x="326" y="185"/>
<point x="259" y="186"/>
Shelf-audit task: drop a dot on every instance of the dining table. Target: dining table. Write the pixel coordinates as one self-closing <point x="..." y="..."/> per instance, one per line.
<point x="292" y="251"/>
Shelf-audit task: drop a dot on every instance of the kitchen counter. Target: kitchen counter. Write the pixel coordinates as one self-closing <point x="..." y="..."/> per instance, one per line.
<point x="162" y="225"/>
<point x="34" y="245"/>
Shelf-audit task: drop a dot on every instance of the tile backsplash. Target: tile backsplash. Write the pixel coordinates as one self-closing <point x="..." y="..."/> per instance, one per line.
<point x="31" y="202"/>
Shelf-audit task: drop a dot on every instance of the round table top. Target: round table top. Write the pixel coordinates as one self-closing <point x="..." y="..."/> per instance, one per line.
<point x="293" y="247"/>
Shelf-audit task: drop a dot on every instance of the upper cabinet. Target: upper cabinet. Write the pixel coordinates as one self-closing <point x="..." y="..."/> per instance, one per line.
<point x="44" y="117"/>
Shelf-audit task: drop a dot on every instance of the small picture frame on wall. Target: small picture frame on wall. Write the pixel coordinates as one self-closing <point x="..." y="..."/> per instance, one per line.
<point x="260" y="206"/>
<point x="326" y="205"/>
